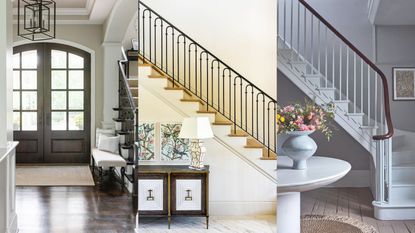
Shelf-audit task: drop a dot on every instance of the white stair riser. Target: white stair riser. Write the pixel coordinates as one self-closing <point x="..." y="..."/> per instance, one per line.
<point x="403" y="157"/>
<point x="402" y="193"/>
<point x="221" y="130"/>
<point x="402" y="173"/>
<point x="356" y="118"/>
<point x="299" y="67"/>
<point x="144" y="71"/>
<point x="313" y="81"/>
<point x="328" y="94"/>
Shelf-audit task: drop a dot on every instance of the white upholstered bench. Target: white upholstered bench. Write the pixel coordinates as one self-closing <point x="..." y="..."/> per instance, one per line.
<point x="103" y="159"/>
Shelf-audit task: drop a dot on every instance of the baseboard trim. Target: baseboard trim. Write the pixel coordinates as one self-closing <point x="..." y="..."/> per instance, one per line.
<point x="353" y="179"/>
<point x="240" y="208"/>
<point x="13" y="228"/>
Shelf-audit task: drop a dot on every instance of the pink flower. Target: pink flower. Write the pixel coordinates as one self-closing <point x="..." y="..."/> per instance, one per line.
<point x="303" y="127"/>
<point x="310" y="116"/>
<point x="288" y="108"/>
<point x="311" y="127"/>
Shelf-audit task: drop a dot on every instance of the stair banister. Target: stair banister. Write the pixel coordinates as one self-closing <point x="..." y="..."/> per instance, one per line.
<point x="379" y="73"/>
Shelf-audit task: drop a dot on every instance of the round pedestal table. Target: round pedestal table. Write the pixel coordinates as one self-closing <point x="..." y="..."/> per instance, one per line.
<point x="321" y="171"/>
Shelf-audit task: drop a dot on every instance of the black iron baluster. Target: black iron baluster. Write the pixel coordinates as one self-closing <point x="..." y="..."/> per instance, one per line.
<point x="184" y="60"/>
<point x="149" y="34"/>
<point x="161" y="45"/>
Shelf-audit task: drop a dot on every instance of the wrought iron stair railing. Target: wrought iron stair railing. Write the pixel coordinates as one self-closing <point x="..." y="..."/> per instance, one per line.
<point x="128" y="113"/>
<point x="211" y="80"/>
<point x="312" y="40"/>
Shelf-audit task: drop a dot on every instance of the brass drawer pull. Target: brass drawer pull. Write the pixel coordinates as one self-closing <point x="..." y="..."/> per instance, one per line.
<point x="150" y="196"/>
<point x="188" y="197"/>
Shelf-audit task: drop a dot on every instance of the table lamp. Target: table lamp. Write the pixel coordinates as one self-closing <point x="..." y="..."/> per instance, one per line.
<point x="196" y="129"/>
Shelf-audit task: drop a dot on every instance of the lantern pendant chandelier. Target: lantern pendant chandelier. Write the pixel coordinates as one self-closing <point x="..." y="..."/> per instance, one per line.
<point x="36" y="19"/>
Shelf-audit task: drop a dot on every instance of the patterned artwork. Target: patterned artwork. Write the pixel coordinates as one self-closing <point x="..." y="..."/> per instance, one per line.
<point x="146" y="134"/>
<point x="404" y="83"/>
<point x="173" y="147"/>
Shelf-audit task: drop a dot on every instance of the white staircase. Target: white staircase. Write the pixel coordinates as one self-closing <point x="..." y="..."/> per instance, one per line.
<point x="327" y="67"/>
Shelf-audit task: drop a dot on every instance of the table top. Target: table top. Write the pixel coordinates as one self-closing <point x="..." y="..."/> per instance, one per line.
<point x="321" y="171"/>
<point x="169" y="168"/>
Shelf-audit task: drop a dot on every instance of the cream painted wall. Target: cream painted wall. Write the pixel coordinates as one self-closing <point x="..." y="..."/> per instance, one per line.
<point x="241" y="33"/>
<point x="89" y="36"/>
<point x="236" y="188"/>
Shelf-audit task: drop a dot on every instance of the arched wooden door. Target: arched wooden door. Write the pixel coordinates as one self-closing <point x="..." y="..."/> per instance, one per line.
<point x="51" y="103"/>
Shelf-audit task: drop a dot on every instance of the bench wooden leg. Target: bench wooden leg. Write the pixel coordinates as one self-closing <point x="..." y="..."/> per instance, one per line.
<point x="122" y="177"/>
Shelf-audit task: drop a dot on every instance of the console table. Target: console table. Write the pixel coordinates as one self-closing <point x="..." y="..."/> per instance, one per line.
<point x="321" y="171"/>
<point x="173" y="190"/>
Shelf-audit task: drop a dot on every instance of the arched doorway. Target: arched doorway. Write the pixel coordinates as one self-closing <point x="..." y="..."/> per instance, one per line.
<point x="51" y="103"/>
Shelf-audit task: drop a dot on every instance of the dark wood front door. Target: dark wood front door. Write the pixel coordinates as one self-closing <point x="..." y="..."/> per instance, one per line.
<point x="56" y="127"/>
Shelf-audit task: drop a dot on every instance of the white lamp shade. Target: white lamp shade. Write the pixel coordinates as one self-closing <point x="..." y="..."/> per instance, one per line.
<point x="196" y="128"/>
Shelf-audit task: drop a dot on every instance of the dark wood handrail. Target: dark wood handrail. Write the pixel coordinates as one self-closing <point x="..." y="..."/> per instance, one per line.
<point x="388" y="116"/>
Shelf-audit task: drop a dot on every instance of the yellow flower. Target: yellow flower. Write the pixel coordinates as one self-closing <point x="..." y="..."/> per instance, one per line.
<point x="282" y="119"/>
<point x="278" y="116"/>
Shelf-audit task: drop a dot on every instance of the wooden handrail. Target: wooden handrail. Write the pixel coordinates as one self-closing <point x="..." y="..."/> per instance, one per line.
<point x="388" y="116"/>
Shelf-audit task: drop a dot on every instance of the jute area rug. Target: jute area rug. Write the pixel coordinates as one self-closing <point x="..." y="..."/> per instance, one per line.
<point x="54" y="176"/>
<point x="334" y="224"/>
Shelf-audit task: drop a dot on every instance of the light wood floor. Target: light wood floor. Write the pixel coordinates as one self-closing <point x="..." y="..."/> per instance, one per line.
<point x="352" y="202"/>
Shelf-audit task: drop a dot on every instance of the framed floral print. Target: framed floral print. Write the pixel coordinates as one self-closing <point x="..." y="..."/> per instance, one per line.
<point x="403" y="83"/>
<point x="173" y="147"/>
<point x="146" y="134"/>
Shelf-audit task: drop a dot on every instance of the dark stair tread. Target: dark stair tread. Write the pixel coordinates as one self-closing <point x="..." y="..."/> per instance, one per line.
<point x="127" y="146"/>
<point x="121" y="108"/>
<point x="121" y="132"/>
<point x="122" y="120"/>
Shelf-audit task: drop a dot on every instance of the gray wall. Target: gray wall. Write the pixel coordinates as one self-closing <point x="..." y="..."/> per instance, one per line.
<point x="345" y="148"/>
<point x="395" y="48"/>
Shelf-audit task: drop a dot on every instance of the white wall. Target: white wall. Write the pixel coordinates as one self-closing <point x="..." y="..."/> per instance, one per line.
<point x="240" y="33"/>
<point x="6" y="127"/>
<point x="235" y="187"/>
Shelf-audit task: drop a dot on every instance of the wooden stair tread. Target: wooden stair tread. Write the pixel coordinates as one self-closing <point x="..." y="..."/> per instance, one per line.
<point x="222" y="123"/>
<point x="156" y="76"/>
<point x="144" y="65"/>
<point x="238" y="133"/>
<point x="192" y="100"/>
<point x="265" y="156"/>
<point x="207" y="111"/>
<point x="122" y="120"/>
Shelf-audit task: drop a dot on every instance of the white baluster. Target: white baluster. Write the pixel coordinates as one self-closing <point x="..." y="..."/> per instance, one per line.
<point x="325" y="56"/>
<point x="368" y="96"/>
<point x="354" y="82"/>
<point x="284" y="25"/>
<point x="376" y="99"/>
<point x="333" y="62"/>
<point x="340" y="71"/>
<point x="312" y="42"/>
<point x="291" y="24"/>
<point x="347" y="73"/>
<point x="298" y="29"/>
<point x="361" y="85"/>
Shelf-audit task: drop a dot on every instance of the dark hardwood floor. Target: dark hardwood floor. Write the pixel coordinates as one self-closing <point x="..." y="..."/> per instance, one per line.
<point x="75" y="209"/>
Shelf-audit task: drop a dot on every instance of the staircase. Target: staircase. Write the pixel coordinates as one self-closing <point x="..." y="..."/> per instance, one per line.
<point x="193" y="81"/>
<point x="328" y="67"/>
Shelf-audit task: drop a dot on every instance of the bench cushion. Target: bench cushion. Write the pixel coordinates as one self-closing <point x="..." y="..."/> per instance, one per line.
<point x="107" y="159"/>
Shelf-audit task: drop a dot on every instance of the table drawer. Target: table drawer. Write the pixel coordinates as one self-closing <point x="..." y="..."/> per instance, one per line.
<point x="152" y="194"/>
<point x="188" y="194"/>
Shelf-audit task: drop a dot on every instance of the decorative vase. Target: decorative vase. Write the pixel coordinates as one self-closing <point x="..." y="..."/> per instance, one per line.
<point x="299" y="147"/>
